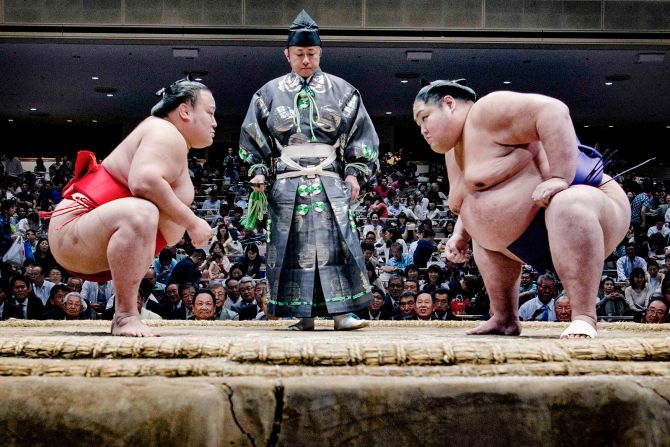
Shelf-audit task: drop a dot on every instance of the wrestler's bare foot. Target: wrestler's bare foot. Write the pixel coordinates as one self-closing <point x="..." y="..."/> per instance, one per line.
<point x="131" y="326"/>
<point x="493" y="326"/>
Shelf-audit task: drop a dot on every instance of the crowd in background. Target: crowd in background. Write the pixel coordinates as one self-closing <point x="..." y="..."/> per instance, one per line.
<point x="403" y="221"/>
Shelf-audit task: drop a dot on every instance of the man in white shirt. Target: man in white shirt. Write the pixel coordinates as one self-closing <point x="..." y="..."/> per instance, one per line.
<point x="41" y="287"/>
<point x="542" y="307"/>
<point x="98" y="294"/>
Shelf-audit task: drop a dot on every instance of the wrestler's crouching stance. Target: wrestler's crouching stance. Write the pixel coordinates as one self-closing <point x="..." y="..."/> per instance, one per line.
<point x="117" y="215"/>
<point x="525" y="192"/>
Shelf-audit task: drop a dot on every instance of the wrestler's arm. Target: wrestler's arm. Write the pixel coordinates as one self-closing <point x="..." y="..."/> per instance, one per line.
<point x="157" y="164"/>
<point x="519" y="119"/>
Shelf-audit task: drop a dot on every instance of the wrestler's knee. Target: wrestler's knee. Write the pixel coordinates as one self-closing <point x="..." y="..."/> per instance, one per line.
<point x="142" y="218"/>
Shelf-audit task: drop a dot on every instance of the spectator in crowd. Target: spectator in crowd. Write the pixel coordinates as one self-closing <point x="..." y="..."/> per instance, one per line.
<point x="41" y="287"/>
<point x="55" y="306"/>
<point x="232" y="245"/>
<point x="221" y="233"/>
<point x="8" y="307"/>
<point x="13" y="167"/>
<point x="231" y="165"/>
<point x="31" y="238"/>
<point x="639" y="206"/>
<point x="373" y="277"/>
<point x="382" y="189"/>
<point x="48" y="197"/>
<point x="424" y="306"/>
<point x="375" y="310"/>
<point x="211" y="204"/>
<point x="626" y="264"/>
<point x="654" y="277"/>
<point x="157" y="289"/>
<point x="30" y="306"/>
<point x="246" y="307"/>
<point x="74" y="284"/>
<point x="260" y="289"/>
<point x="395" y="287"/>
<point x="659" y="227"/>
<point x="56" y="276"/>
<point x="417" y="209"/>
<point x="187" y="292"/>
<point x="425" y="247"/>
<point x="232" y="292"/>
<point x="173" y="307"/>
<point x="637" y="294"/>
<point x="7" y="209"/>
<point x="435" y="279"/>
<point x="398" y="260"/>
<point x="396" y="208"/>
<point x="142" y="302"/>
<point x="435" y="195"/>
<point x="204" y="305"/>
<point x="611" y="302"/>
<point x="30" y="222"/>
<point x="43" y="256"/>
<point x="542" y="307"/>
<point x="441" y="303"/>
<point x="251" y="261"/>
<point x="406" y="307"/>
<point x="563" y="309"/>
<point x="657" y="310"/>
<point x="390" y="236"/>
<point x="217" y="266"/>
<point x="222" y="312"/>
<point x="98" y="294"/>
<point x="380" y="208"/>
<point x="368" y="249"/>
<point x="411" y="285"/>
<point x="163" y="265"/>
<point x="187" y="270"/>
<point x="73" y="307"/>
<point x="527" y="287"/>
<point x="374" y="226"/>
<point x="236" y="271"/>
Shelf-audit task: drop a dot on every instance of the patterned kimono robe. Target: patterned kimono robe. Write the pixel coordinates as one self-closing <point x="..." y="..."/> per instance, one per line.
<point x="315" y="266"/>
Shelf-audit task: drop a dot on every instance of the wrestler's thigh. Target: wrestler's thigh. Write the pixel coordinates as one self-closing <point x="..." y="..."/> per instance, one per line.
<point x="81" y="244"/>
<point x="606" y="209"/>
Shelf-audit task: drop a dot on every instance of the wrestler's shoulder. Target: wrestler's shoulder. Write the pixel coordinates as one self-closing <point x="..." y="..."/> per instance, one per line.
<point x="158" y="127"/>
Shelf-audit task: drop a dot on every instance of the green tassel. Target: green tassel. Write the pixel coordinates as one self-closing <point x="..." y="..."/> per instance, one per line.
<point x="258" y="206"/>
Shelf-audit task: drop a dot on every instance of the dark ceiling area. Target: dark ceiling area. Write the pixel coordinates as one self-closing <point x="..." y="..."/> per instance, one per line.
<point x="71" y="107"/>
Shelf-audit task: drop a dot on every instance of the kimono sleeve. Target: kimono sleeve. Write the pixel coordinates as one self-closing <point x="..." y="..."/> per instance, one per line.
<point x="362" y="144"/>
<point x="255" y="137"/>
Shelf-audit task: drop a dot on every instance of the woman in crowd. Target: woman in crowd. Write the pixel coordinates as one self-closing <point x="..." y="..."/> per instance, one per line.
<point x="433" y="213"/>
<point x="236" y="271"/>
<point x="611" y="302"/>
<point x="221" y="233"/>
<point x="654" y="277"/>
<point x="435" y="279"/>
<point x="637" y="294"/>
<point x="390" y="235"/>
<point x="416" y="208"/>
<point x="43" y="256"/>
<point x="251" y="261"/>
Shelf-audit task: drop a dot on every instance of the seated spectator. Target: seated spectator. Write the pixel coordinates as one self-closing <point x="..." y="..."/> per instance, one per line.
<point x="654" y="278"/>
<point x="156" y="289"/>
<point x="368" y="250"/>
<point x="542" y="307"/>
<point x="173" y="307"/>
<point x="204" y="305"/>
<point x="260" y="289"/>
<point x="637" y="294"/>
<point x="611" y="302"/>
<point x="406" y="307"/>
<point x="527" y="287"/>
<point x="251" y="261"/>
<point x="187" y="270"/>
<point x="657" y="311"/>
<point x="435" y="195"/>
<point x="40" y="285"/>
<point x="375" y="310"/>
<point x="163" y="265"/>
<point x="232" y="245"/>
<point x="373" y="277"/>
<point x="29" y="223"/>
<point x="396" y="208"/>
<point x="246" y="307"/>
<point x="412" y="272"/>
<point x="660" y="228"/>
<point x="73" y="307"/>
<point x="441" y="303"/>
<point x="417" y="209"/>
<point x="374" y="226"/>
<point x="98" y="294"/>
<point x="656" y="244"/>
<point x="211" y="204"/>
<point x="380" y="208"/>
<point x="424" y="306"/>
<point x="425" y="247"/>
<point x="563" y="309"/>
<point x="395" y="287"/>
<point x="30" y="306"/>
<point x="56" y="276"/>
<point x="435" y="279"/>
<point x="370" y="237"/>
<point x="142" y="301"/>
<point x="187" y="293"/>
<point x="382" y="190"/>
<point x="626" y="264"/>
<point x="461" y="292"/>
<point x="432" y="213"/>
<point x="55" y="306"/>
<point x="411" y="285"/>
<point x="236" y="271"/>
<point x="8" y="309"/>
<point x="43" y="256"/>
<point x="264" y="314"/>
<point x="7" y="209"/>
<point x="398" y="260"/>
<point x="74" y="284"/>
<point x="232" y="293"/>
